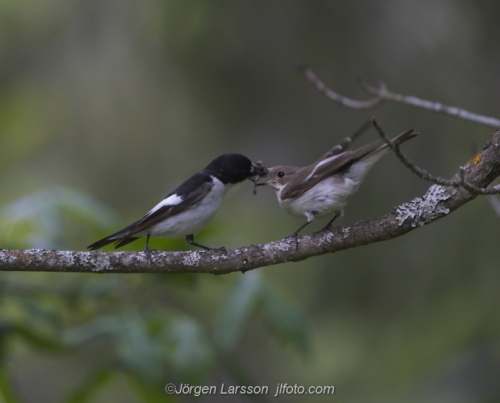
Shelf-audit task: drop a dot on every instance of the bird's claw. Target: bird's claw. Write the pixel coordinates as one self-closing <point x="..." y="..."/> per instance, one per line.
<point x="150" y="252"/>
<point x="295" y="237"/>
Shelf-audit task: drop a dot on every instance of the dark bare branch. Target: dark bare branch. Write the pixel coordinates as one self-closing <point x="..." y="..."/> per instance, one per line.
<point x="437" y="203"/>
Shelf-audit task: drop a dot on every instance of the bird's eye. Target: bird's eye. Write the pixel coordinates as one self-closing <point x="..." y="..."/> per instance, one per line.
<point x="281" y="174"/>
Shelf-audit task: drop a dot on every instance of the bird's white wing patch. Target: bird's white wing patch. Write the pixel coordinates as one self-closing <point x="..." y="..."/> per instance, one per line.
<point x="325" y="161"/>
<point x="171" y="200"/>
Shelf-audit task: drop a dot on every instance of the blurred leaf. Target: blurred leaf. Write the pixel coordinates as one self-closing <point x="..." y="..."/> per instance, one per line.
<point x="191" y="354"/>
<point x="184" y="280"/>
<point x="38" y="220"/>
<point x="285" y="318"/>
<point x="250" y="294"/>
<point x="92" y="386"/>
<point x="35" y="339"/>
<point x="7" y="394"/>
<point x="102" y="326"/>
<point x="38" y="314"/>
<point x="151" y="392"/>
<point x="129" y="335"/>
<point x="135" y="347"/>
<point x="237" y="308"/>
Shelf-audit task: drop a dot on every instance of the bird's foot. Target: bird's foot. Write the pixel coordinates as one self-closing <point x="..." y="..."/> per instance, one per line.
<point x="327" y="227"/>
<point x="149" y="253"/>
<point x="295" y="237"/>
<point x="208" y="248"/>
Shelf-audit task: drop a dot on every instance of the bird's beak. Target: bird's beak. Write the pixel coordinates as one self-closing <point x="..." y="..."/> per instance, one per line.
<point x="255" y="184"/>
<point x="270" y="183"/>
<point x="259" y="171"/>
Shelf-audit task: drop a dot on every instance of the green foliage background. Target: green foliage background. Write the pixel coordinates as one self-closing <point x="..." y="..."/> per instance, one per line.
<point x="107" y="106"/>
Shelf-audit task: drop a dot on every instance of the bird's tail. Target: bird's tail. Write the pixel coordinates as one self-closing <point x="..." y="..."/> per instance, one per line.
<point x="402" y="138"/>
<point x="120" y="239"/>
<point x="106" y="241"/>
<point x="101" y="243"/>
<point x="371" y="153"/>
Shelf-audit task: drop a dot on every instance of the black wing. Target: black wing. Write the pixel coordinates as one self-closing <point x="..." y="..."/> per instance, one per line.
<point x="195" y="189"/>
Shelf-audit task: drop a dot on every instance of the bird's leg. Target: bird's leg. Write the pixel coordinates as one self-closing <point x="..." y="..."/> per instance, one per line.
<point x="295" y="235"/>
<point x="148" y="251"/>
<point x="190" y="241"/>
<point x="329" y="225"/>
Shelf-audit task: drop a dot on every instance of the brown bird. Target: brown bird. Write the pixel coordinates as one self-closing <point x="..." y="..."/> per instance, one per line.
<point x="324" y="187"/>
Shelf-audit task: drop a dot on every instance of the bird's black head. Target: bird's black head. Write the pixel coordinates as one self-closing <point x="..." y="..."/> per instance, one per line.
<point x="234" y="168"/>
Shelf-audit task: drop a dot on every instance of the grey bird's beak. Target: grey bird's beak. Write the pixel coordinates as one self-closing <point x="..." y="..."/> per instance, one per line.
<point x="268" y="183"/>
<point x="255" y="184"/>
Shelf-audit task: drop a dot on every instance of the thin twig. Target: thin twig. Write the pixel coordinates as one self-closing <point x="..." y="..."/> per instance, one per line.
<point x="383" y="94"/>
<point x="422" y="173"/>
<point x="361" y="130"/>
<point x="334" y="96"/>
<point x="347" y="141"/>
<point x="491" y="190"/>
<point x="406" y="161"/>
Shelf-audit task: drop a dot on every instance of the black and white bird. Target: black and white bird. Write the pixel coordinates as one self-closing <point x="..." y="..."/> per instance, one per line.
<point x="191" y="206"/>
<point x="324" y="187"/>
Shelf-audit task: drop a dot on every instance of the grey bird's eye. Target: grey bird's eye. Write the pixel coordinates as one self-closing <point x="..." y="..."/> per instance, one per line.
<point x="281" y="174"/>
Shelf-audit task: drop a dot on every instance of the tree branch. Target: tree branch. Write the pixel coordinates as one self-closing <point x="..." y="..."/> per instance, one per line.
<point x="334" y="96"/>
<point x="423" y="174"/>
<point x="437" y="203"/>
<point x="453" y="111"/>
<point x="382" y="94"/>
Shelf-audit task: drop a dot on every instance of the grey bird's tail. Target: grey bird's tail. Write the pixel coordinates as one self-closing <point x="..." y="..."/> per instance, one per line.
<point x="372" y="150"/>
<point x="370" y="154"/>
<point x="403" y="137"/>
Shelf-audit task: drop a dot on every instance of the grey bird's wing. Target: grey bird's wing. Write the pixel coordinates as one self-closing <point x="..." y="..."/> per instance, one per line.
<point x="309" y="176"/>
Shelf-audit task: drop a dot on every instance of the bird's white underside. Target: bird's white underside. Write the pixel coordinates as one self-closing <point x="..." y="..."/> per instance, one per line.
<point x="331" y="195"/>
<point x="193" y="219"/>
